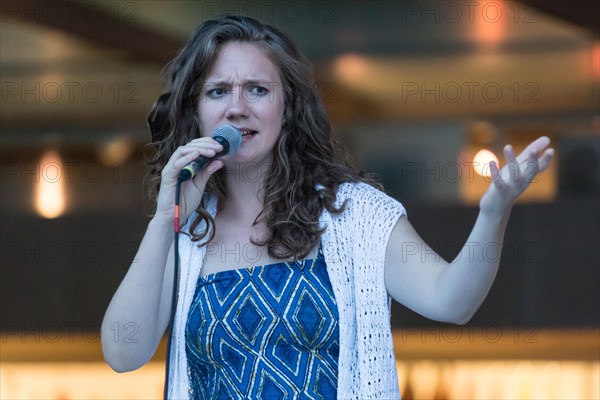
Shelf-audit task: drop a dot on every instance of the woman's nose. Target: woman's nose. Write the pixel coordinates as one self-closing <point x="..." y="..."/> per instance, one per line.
<point x="237" y="105"/>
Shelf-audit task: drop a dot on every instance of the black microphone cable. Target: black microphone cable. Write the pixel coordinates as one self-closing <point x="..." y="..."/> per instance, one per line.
<point x="175" y="286"/>
<point x="231" y="140"/>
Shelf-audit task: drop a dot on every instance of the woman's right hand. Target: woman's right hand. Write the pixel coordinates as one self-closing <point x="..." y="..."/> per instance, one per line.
<point x="191" y="190"/>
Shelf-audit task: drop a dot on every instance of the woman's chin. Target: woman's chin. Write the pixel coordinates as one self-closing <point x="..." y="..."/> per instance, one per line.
<point x="247" y="163"/>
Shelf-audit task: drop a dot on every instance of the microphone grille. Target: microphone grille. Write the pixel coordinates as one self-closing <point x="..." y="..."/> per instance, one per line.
<point x="232" y="135"/>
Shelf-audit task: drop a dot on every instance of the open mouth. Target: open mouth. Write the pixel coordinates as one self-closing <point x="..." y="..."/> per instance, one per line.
<point x="246" y="132"/>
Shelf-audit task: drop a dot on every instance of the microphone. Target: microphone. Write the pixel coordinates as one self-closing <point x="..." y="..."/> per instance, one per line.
<point x="228" y="136"/>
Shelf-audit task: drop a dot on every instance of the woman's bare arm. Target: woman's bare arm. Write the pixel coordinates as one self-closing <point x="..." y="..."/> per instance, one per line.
<point x="133" y="324"/>
<point x="139" y="312"/>
<point x="419" y="278"/>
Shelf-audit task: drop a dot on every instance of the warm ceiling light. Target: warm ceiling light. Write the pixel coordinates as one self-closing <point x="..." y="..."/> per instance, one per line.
<point x="481" y="162"/>
<point x="490" y="23"/>
<point x="116" y="151"/>
<point x="596" y="59"/>
<point x="50" y="193"/>
<point x="351" y="66"/>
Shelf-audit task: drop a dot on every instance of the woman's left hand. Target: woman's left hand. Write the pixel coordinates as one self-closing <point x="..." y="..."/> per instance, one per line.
<point x="518" y="173"/>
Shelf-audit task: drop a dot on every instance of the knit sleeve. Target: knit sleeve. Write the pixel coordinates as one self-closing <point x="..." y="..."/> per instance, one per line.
<point x="374" y="215"/>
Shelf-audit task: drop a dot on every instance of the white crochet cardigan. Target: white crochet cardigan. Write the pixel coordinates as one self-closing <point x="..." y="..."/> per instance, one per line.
<point x="354" y="246"/>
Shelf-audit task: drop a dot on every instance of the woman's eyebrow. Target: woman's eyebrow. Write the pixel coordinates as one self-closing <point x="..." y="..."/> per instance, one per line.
<point x="217" y="83"/>
<point x="253" y="81"/>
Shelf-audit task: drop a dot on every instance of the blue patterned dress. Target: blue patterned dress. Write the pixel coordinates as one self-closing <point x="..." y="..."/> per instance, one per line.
<point x="265" y="332"/>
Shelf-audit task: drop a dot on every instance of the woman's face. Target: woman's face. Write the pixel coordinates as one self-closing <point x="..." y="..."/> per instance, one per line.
<point x="243" y="89"/>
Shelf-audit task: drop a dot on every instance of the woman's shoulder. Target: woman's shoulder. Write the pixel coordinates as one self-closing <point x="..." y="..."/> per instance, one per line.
<point x="360" y="190"/>
<point x="364" y="198"/>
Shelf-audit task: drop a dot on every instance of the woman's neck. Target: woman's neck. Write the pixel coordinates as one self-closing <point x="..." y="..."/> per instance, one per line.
<point x="244" y="186"/>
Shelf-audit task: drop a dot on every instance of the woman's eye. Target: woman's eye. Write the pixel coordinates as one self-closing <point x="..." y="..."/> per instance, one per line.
<point x="259" y="90"/>
<point x="256" y="92"/>
<point x="215" y="93"/>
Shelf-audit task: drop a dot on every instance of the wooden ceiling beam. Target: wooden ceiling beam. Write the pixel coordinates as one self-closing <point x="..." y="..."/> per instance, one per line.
<point x="114" y="27"/>
<point x="583" y="13"/>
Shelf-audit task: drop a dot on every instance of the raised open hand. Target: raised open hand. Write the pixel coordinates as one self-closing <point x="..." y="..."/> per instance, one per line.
<point x="518" y="173"/>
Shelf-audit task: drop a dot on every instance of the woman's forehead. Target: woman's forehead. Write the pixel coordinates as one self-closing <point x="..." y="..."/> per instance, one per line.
<point x="242" y="61"/>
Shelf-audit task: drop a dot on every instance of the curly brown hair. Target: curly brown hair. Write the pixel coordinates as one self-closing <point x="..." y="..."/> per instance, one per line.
<point x="305" y="153"/>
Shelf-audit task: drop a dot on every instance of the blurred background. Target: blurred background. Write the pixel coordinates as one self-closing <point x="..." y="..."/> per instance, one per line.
<point x="424" y="93"/>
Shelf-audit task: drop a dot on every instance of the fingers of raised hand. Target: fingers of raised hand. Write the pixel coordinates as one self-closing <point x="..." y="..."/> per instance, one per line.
<point x="529" y="157"/>
<point x="544" y="161"/>
<point x="534" y="147"/>
<point x="531" y="163"/>
<point x="497" y="176"/>
<point x="512" y="164"/>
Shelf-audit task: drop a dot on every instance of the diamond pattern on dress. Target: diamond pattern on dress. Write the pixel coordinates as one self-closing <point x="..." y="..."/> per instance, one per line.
<point x="224" y="392"/>
<point x="206" y="321"/>
<point x="270" y="388"/>
<point x="288" y="355"/>
<point x="276" y="278"/>
<point x="307" y="315"/>
<point x="324" y="383"/>
<point x="235" y="360"/>
<point x="250" y="319"/>
<point x="266" y="332"/>
<point x="226" y="287"/>
<point x="332" y="351"/>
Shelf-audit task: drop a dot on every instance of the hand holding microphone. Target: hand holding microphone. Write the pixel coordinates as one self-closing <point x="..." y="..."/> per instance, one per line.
<point x="231" y="140"/>
<point x="187" y="162"/>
